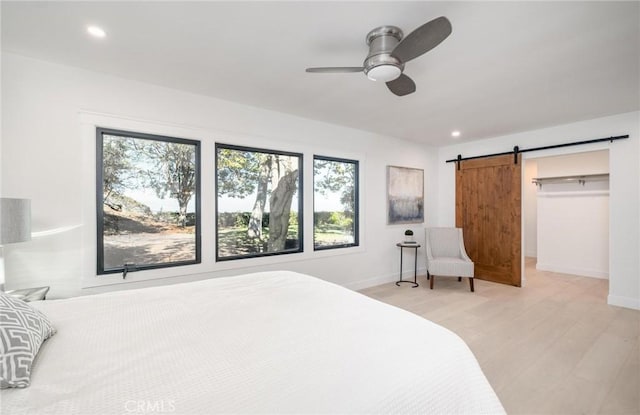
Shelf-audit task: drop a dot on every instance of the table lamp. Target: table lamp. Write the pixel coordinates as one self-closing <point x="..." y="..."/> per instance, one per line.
<point x="15" y="225"/>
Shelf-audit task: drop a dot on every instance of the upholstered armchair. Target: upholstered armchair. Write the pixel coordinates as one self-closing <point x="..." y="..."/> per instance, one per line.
<point x="446" y="256"/>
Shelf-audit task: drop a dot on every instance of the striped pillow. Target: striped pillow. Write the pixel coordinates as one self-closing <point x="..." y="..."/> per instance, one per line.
<point x="23" y="329"/>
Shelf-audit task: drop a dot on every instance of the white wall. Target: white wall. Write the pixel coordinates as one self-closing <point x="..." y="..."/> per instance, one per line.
<point x="48" y="140"/>
<point x="573" y="218"/>
<point x="591" y="162"/>
<point x="530" y="208"/>
<point x="573" y="232"/>
<point x="624" y="159"/>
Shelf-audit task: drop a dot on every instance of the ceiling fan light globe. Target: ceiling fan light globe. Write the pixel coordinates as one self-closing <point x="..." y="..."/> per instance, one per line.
<point x="384" y="73"/>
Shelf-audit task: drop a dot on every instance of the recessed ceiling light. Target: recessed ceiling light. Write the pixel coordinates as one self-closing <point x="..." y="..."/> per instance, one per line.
<point x="455" y="133"/>
<point x="96" y="31"/>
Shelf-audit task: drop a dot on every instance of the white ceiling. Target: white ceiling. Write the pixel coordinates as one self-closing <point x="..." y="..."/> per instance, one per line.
<point x="507" y="67"/>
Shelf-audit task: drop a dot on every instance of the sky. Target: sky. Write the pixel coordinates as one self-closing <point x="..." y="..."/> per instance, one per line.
<point x="328" y="202"/>
<point x="148" y="197"/>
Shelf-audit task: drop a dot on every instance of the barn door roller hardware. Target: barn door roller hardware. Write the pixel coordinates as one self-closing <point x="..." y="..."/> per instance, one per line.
<point x="517" y="150"/>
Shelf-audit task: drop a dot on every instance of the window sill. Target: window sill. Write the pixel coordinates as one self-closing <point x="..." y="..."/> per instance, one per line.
<point x="286" y="258"/>
<point x="209" y="268"/>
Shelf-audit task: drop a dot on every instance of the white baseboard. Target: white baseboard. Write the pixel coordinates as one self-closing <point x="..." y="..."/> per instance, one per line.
<point x="531" y="253"/>
<point x="626" y="302"/>
<point x="372" y="282"/>
<point x="583" y="272"/>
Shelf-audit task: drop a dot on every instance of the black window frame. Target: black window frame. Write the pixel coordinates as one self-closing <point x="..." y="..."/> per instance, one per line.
<point x="300" y="192"/>
<point x="356" y="213"/>
<point x="100" y="131"/>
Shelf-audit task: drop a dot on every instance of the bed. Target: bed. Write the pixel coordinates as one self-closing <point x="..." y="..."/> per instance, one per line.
<point x="270" y="342"/>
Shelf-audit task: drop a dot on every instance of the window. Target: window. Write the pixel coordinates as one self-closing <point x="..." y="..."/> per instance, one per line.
<point x="335" y="203"/>
<point x="259" y="202"/>
<point x="148" y="201"/>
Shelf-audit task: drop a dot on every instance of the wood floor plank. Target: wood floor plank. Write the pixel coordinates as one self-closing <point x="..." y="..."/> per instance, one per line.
<point x="551" y="347"/>
<point x="624" y="395"/>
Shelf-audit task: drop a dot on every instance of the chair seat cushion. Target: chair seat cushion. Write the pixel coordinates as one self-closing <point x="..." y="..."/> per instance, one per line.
<point x="450" y="267"/>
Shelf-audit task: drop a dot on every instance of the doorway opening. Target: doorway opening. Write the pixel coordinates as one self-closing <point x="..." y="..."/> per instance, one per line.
<point x="566" y="214"/>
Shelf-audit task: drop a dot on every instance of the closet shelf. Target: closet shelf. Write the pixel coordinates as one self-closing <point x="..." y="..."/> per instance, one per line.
<point x="582" y="179"/>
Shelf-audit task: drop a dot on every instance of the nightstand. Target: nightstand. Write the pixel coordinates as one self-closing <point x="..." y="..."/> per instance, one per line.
<point x="29" y="294"/>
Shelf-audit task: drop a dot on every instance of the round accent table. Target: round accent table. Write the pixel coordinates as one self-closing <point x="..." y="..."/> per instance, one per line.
<point x="414" y="246"/>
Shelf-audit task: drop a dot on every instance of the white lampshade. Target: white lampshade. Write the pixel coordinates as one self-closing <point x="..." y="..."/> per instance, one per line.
<point x="384" y="73"/>
<point x="15" y="220"/>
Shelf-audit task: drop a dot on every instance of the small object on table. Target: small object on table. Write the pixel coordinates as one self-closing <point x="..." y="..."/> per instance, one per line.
<point x="408" y="237"/>
<point x="29" y="294"/>
<point x="415" y="246"/>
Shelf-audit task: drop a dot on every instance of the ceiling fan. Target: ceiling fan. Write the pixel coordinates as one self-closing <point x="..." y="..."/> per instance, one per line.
<point x="389" y="51"/>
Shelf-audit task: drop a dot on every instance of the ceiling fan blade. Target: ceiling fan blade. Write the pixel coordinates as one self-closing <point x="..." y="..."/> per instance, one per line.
<point x="402" y="86"/>
<point x="336" y="69"/>
<point x="423" y="39"/>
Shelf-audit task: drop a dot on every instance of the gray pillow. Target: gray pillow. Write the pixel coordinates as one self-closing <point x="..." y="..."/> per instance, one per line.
<point x="23" y="329"/>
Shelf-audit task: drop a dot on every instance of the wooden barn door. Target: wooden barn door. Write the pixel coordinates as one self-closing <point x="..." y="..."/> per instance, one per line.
<point x="488" y="193"/>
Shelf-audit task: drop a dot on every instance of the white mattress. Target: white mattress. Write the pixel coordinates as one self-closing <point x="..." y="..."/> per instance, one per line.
<point x="272" y="342"/>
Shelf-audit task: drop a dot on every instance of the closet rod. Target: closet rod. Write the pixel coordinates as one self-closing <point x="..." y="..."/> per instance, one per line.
<point x="517" y="150"/>
<point x="580" y="178"/>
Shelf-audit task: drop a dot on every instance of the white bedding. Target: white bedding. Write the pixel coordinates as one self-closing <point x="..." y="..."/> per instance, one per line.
<point x="272" y="342"/>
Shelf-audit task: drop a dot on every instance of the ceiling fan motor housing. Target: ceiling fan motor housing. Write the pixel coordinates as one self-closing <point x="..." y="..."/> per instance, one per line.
<point x="382" y="40"/>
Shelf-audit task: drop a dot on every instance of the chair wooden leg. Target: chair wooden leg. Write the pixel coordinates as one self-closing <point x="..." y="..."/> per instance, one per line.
<point x="459" y="279"/>
<point x="471" y="284"/>
<point x="428" y="275"/>
<point x="431" y="283"/>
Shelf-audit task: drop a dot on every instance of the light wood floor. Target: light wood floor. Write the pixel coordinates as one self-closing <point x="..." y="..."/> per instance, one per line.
<point x="553" y="347"/>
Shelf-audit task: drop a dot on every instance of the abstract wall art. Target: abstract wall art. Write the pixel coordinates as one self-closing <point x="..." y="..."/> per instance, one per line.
<point x="405" y="195"/>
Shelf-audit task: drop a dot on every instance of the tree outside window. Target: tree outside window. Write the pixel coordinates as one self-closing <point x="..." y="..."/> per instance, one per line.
<point x="147" y="201"/>
<point x="335" y="200"/>
<point x="259" y="202"/>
